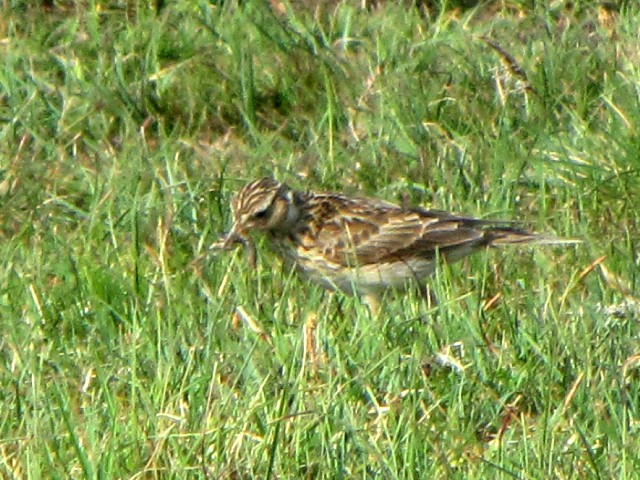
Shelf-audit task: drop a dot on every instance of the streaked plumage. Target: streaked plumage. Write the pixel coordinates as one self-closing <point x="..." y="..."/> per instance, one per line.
<point x="361" y="245"/>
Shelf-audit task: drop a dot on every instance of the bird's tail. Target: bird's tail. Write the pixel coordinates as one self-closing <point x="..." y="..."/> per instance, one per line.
<point x="512" y="236"/>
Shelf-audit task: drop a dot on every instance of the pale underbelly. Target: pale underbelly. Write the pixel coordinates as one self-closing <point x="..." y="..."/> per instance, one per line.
<point x="367" y="279"/>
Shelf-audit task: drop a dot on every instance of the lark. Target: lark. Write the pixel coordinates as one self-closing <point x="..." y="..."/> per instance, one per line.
<point x="361" y="245"/>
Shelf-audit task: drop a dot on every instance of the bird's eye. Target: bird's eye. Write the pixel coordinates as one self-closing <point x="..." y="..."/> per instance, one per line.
<point x="261" y="214"/>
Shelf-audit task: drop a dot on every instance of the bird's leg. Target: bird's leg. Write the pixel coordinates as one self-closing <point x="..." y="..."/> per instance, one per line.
<point x="373" y="302"/>
<point x="428" y="295"/>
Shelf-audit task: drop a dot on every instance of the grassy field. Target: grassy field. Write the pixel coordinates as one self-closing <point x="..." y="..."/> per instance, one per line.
<point x="129" y="350"/>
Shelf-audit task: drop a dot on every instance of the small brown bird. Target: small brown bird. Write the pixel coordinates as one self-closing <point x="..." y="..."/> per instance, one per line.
<point x="361" y="245"/>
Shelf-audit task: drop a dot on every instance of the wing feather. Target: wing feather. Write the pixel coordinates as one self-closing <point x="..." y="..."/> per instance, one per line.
<point x="378" y="233"/>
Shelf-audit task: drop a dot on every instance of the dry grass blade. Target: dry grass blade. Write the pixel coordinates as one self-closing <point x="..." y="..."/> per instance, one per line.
<point x="253" y="325"/>
<point x="512" y="66"/>
<point x="615" y="282"/>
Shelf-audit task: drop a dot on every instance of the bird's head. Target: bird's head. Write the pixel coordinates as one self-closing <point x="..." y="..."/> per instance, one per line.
<point x="262" y="205"/>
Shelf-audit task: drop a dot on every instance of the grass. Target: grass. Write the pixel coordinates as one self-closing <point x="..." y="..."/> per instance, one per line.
<point x="129" y="351"/>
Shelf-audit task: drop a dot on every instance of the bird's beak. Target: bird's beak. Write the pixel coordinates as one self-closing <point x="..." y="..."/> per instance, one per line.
<point x="236" y="235"/>
<point x="233" y="236"/>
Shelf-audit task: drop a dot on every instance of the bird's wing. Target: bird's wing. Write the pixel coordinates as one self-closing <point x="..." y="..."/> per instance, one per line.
<point x="387" y="233"/>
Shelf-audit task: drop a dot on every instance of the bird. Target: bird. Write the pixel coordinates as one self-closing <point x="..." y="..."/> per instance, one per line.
<point x="360" y="245"/>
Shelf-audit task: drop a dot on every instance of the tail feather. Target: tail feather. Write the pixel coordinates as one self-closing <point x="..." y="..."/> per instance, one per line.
<point x="512" y="236"/>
